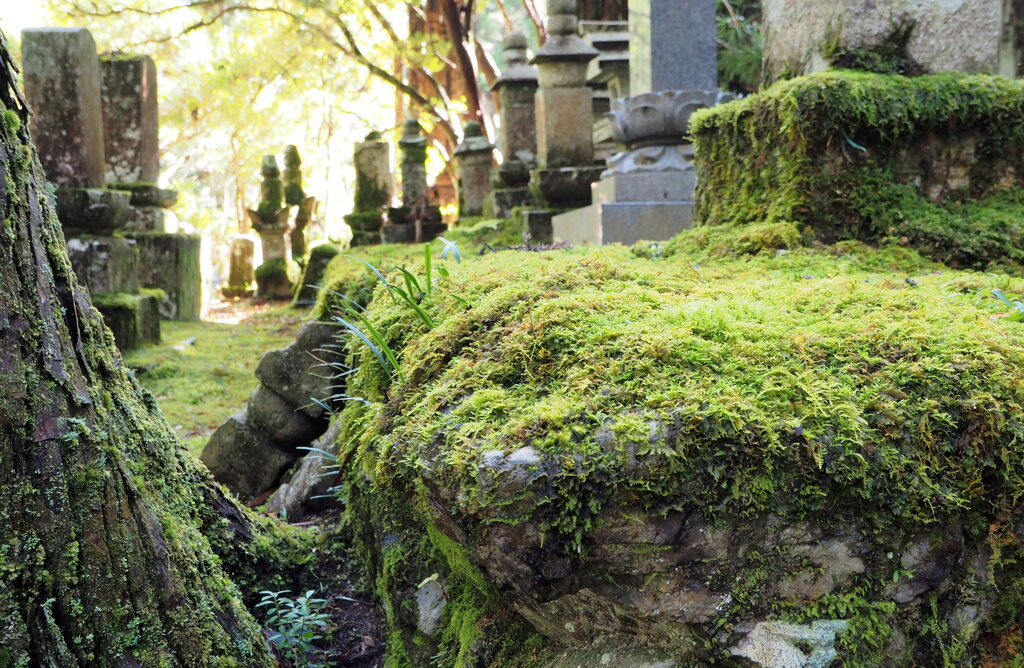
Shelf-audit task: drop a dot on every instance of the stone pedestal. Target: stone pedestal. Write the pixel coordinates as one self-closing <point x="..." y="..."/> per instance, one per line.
<point x="474" y="158"/>
<point x="565" y="148"/>
<point x="171" y="263"/>
<point x="133" y="319"/>
<point x="62" y="86"/>
<point x="96" y="211"/>
<point x="105" y="265"/>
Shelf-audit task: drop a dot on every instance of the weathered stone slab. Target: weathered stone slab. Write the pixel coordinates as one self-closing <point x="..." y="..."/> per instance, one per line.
<point x="130" y="119"/>
<point x="133" y="319"/>
<point x="172" y="263"/>
<point x="308" y="491"/>
<point x="565" y="126"/>
<point x="914" y="36"/>
<point x="105" y="265"/>
<point x="313" y="273"/>
<point x="92" y="210"/>
<point x="672" y="45"/>
<point x="62" y="85"/>
<point x="474" y="156"/>
<point x="269" y="413"/>
<point x="295" y="374"/>
<point x="623" y="222"/>
<point x="240" y="271"/>
<point x="244" y="461"/>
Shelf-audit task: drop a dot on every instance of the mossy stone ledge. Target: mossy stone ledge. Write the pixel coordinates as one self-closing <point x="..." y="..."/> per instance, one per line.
<point x="695" y="455"/>
<point x="854" y="155"/>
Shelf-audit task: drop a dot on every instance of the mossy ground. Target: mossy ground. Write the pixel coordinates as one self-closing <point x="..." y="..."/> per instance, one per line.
<point x="203" y="383"/>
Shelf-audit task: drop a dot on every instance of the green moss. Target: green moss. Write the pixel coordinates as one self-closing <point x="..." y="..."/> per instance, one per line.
<point x="116" y="300"/>
<point x="370" y="197"/>
<point x="157" y="293"/>
<point x="842" y="384"/>
<point x="841" y="154"/>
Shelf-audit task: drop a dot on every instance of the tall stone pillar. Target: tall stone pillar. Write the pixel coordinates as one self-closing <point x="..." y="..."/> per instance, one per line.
<point x="565" y="121"/>
<point x="517" y="90"/>
<point x="295" y="196"/>
<point x="270" y="220"/>
<point x="375" y="189"/>
<point x="474" y="157"/>
<point x="647" y="190"/>
<point x="62" y="85"/>
<point x="131" y="127"/>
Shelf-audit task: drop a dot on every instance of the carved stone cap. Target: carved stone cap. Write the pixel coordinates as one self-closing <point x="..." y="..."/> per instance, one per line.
<point x="516" y="68"/>
<point x="412" y="134"/>
<point x="661" y="118"/>
<point x="563" y="42"/>
<point x="291" y="156"/>
<point x="270" y="168"/>
<point x="474" y="140"/>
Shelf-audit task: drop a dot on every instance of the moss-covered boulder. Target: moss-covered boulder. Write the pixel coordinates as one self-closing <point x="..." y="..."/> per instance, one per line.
<point x="853" y="155"/>
<point x="313" y="273"/>
<point x="723" y="450"/>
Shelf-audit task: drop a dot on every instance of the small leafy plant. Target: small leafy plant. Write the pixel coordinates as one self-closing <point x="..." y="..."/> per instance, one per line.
<point x="296" y="624"/>
<point x="1013" y="302"/>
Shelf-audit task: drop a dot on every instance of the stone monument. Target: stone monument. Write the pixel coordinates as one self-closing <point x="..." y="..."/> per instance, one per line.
<point x="474" y="157"/>
<point x="517" y="138"/>
<point x="295" y="196"/>
<point x="417" y="219"/>
<point x="62" y="86"/>
<point x="270" y="220"/>
<point x="240" y="268"/>
<point x="565" y="118"/>
<point x="374" y="189"/>
<point x="131" y="131"/>
<point x="647" y="190"/>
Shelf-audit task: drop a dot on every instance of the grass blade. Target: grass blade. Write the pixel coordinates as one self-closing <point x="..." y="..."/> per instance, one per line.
<point x="426" y="264"/>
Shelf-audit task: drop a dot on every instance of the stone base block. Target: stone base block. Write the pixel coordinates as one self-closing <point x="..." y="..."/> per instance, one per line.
<point x="360" y="238"/>
<point x="662" y="186"/>
<point x="147" y="219"/>
<point x="134" y="320"/>
<point x="92" y="210"/>
<point x="536" y="223"/>
<point x="236" y="292"/>
<point x="106" y="265"/>
<point x="313" y="273"/>
<point x="171" y="262"/>
<point x="623" y="222"/>
<point x="564" y="187"/>
<point x="275" y="279"/>
<point x="148" y="194"/>
<point x="500" y="203"/>
<point x="406" y="232"/>
<point x="244" y="461"/>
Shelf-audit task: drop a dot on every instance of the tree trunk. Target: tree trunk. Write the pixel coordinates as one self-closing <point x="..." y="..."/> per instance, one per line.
<point x="103" y="557"/>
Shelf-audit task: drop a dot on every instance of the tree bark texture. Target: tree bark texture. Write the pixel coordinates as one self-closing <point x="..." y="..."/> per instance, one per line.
<point x="108" y="529"/>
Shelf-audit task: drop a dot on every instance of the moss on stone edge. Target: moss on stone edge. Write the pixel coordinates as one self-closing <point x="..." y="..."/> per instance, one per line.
<point x="818" y="386"/>
<point x="835" y="153"/>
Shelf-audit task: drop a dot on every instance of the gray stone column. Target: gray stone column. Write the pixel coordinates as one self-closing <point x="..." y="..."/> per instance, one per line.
<point x="131" y="138"/>
<point x="517" y="138"/>
<point x="474" y="157"/>
<point x="240" y="268"/>
<point x="375" y="189"/>
<point x="647" y="190"/>
<point x="565" y="120"/>
<point x="62" y="85"/>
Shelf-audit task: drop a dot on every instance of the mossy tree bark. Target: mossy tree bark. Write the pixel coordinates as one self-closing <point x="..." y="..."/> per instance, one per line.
<point x="109" y="531"/>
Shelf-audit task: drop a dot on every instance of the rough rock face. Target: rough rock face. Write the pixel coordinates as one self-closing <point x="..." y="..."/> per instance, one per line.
<point x="922" y="36"/>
